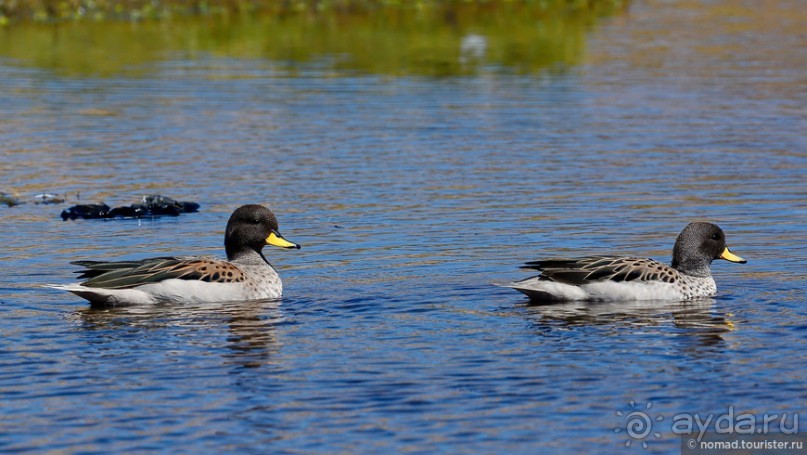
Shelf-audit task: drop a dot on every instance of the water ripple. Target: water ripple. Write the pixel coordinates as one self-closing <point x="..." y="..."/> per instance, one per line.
<point x="410" y="195"/>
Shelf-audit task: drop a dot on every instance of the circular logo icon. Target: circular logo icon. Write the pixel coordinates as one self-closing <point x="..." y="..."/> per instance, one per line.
<point x="638" y="425"/>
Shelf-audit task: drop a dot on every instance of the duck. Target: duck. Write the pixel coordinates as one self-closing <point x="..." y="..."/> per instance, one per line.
<point x="626" y="278"/>
<point x="244" y="275"/>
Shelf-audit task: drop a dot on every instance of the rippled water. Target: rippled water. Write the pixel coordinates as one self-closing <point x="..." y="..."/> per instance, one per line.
<point x="410" y="195"/>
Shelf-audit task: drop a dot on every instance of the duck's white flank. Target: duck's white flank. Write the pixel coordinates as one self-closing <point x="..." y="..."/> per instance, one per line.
<point x="616" y="291"/>
<point x="174" y="290"/>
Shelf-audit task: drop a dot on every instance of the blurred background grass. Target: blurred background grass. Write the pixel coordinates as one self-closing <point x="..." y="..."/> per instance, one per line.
<point x="422" y="37"/>
<point x="60" y="10"/>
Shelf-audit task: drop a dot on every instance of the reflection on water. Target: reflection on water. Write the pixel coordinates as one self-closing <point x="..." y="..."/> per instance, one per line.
<point x="250" y="337"/>
<point x="698" y="319"/>
<point x="442" y="40"/>
<point x="410" y="196"/>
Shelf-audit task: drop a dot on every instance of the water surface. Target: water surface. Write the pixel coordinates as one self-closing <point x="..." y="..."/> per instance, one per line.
<point x="410" y="194"/>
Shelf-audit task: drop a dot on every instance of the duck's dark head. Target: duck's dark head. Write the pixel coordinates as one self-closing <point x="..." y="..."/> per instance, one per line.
<point x="698" y="245"/>
<point x="250" y="228"/>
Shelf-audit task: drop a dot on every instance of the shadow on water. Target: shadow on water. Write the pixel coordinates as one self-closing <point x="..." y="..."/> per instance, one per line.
<point x="442" y="40"/>
<point x="247" y="329"/>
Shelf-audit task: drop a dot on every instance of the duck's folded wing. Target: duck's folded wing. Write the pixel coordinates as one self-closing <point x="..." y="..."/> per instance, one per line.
<point x="584" y="270"/>
<point x="129" y="274"/>
<point x="95" y="268"/>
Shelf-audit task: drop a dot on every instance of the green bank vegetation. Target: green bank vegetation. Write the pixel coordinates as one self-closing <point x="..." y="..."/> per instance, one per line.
<point x="60" y="10"/>
<point x="421" y="37"/>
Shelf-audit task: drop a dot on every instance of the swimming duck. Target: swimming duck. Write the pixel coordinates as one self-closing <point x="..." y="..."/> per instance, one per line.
<point x="245" y="275"/>
<point x="610" y="278"/>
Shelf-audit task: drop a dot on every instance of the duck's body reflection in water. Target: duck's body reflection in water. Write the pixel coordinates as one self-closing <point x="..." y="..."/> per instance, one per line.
<point x="697" y="318"/>
<point x="249" y="334"/>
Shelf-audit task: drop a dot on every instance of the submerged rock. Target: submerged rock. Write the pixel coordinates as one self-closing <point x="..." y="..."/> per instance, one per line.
<point x="151" y="206"/>
<point x="9" y="200"/>
<point x="47" y="198"/>
<point x="44" y="198"/>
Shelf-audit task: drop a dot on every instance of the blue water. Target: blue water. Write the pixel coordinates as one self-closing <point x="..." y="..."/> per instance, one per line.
<point x="410" y="196"/>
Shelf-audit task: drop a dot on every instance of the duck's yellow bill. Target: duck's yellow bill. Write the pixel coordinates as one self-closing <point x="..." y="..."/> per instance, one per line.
<point x="275" y="239"/>
<point x="731" y="257"/>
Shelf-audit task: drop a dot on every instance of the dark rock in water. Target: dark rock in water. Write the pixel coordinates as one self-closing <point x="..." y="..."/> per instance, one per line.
<point x="155" y="204"/>
<point x="152" y="205"/>
<point x="86" y="212"/>
<point x="9" y="200"/>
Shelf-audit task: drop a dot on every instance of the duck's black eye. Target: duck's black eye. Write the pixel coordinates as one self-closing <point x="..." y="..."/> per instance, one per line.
<point x="716" y="236"/>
